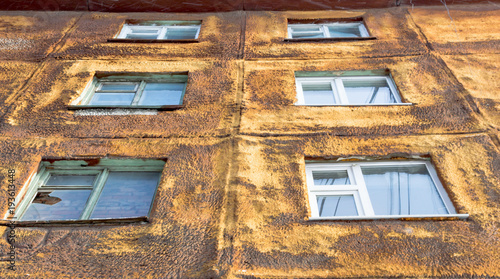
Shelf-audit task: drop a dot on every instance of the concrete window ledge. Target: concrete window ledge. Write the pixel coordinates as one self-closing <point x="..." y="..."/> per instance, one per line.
<point x="143" y="41"/>
<point x="393" y="217"/>
<point x="329" y="39"/>
<point x="73" y="223"/>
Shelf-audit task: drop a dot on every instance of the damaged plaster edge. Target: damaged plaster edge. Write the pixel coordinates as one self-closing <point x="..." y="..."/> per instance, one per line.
<point x="367" y="158"/>
<point x="95" y="112"/>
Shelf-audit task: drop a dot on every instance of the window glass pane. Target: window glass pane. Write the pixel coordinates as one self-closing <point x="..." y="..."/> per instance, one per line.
<point x="126" y="194"/>
<point x="369" y="91"/>
<point x="114" y="86"/>
<point x="329" y="206"/>
<point x="142" y="36"/>
<point x="174" y="33"/>
<point x="158" y="94"/>
<point x="57" y="205"/>
<point x="150" y="33"/>
<point x="112" y="99"/>
<point x="337" y="177"/>
<point x="344" y="30"/>
<point x="145" y="30"/>
<point x="319" y="93"/>
<point x="306" y="28"/>
<point x="70" y="180"/>
<point x="303" y="32"/>
<point x="402" y="190"/>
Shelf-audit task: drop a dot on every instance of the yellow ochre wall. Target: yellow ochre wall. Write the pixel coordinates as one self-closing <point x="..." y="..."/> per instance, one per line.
<point x="232" y="201"/>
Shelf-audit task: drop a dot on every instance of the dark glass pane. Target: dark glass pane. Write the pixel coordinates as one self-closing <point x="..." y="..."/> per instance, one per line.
<point x="70" y="180"/>
<point x="304" y="32"/>
<point x="337" y="177"/>
<point x="111" y="99"/>
<point x="329" y="206"/>
<point x="306" y="28"/>
<point x="57" y="205"/>
<point x="159" y="94"/>
<point x="126" y="194"/>
<point x="150" y="33"/>
<point x="344" y="30"/>
<point x="402" y="190"/>
<point x="319" y="93"/>
<point x="174" y="33"/>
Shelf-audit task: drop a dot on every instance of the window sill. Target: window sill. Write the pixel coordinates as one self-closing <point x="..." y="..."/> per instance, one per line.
<point x="148" y="41"/>
<point x="113" y="221"/>
<point x="159" y="108"/>
<point x="357" y="105"/>
<point x="393" y="217"/>
<point x="329" y="39"/>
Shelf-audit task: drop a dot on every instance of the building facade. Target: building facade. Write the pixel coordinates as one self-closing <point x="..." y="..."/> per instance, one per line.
<point x="260" y="119"/>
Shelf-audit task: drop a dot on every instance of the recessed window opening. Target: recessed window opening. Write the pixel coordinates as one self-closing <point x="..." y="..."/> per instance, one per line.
<point x="371" y="189"/>
<point x="346" y="90"/>
<point x="160" y="30"/>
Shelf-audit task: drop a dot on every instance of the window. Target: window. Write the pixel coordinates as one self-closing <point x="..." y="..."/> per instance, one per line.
<point x="334" y="28"/>
<point x="160" y="30"/>
<point x="134" y="91"/>
<point x="80" y="190"/>
<point x="356" y="89"/>
<point x="395" y="189"/>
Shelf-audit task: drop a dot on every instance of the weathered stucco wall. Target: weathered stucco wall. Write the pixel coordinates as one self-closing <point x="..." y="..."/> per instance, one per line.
<point x="394" y="29"/>
<point x="42" y="108"/>
<point x="232" y="202"/>
<point x="438" y="102"/>
<point x="274" y="238"/>
<point x="180" y="240"/>
<point x="219" y="37"/>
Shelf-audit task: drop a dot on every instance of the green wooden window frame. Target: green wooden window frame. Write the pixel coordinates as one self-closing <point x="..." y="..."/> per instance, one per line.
<point x="140" y="81"/>
<point x="78" y="168"/>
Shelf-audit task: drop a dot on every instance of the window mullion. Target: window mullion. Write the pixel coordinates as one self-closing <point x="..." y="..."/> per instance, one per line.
<point x="363" y="191"/>
<point x="339" y="85"/>
<point x="326" y="31"/>
<point x="94" y="196"/>
<point x="163" y="33"/>
<point x="138" y="93"/>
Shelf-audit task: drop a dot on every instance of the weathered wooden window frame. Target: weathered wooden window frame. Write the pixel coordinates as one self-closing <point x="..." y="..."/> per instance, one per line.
<point x="161" y="26"/>
<point x="81" y="167"/>
<point x="141" y="80"/>
<point x="358" y="189"/>
<point x="338" y="90"/>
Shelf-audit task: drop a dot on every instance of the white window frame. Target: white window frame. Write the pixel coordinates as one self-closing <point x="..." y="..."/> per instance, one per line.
<point x="37" y="184"/>
<point x="360" y="192"/>
<point x="326" y="32"/>
<point x="339" y="93"/>
<point x="140" y="81"/>
<point x="161" y="33"/>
